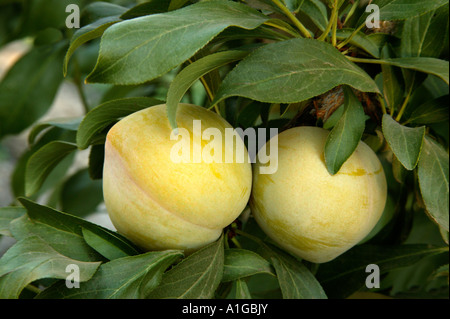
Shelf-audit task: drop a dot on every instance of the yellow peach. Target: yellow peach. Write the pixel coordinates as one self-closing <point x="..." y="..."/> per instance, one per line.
<point x="159" y="203"/>
<point x="310" y="213"/>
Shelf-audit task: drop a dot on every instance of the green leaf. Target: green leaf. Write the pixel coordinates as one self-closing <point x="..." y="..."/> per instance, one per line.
<point x="360" y="40"/>
<point x="398" y="170"/>
<point x="146" y="41"/>
<point x="47" y="36"/>
<point x="414" y="34"/>
<point x="423" y="64"/>
<point x="393" y="84"/>
<point x="404" y="9"/>
<point x="405" y="142"/>
<point x="241" y="263"/>
<point x="41" y="163"/>
<point x="146" y="8"/>
<point x="100" y="9"/>
<point x="296" y="281"/>
<point x="57" y="174"/>
<point x="242" y="291"/>
<point x="417" y="280"/>
<point x="77" y="186"/>
<point x="433" y="181"/>
<point x="261" y="32"/>
<point x="96" y="160"/>
<point x="375" y="142"/>
<point x="433" y="44"/>
<point x="99" y="241"/>
<point x="31" y="259"/>
<point x="442" y="271"/>
<point x="88" y="33"/>
<point x="42" y="14"/>
<point x="292" y="71"/>
<point x="125" y="278"/>
<point x="316" y="10"/>
<point x="176" y="4"/>
<point x="267" y="6"/>
<point x="8" y="214"/>
<point x="278" y="24"/>
<point x="69" y="123"/>
<point x="106" y="114"/>
<point x="346" y="134"/>
<point x="63" y="231"/>
<point x="346" y="274"/>
<point x="195" y="277"/>
<point x="432" y="111"/>
<point x="189" y="75"/>
<point x="57" y="231"/>
<point x="334" y="118"/>
<point x="249" y="114"/>
<point x="29" y="87"/>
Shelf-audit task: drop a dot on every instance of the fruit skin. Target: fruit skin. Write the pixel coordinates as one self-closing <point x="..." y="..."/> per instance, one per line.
<point x="159" y="204"/>
<point x="310" y="213"/>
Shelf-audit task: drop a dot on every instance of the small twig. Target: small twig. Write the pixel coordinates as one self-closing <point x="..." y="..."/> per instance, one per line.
<point x="293" y="18"/>
<point x="292" y="33"/>
<point x="351" y="12"/>
<point x="34" y="289"/>
<point x="355" y="32"/>
<point x="403" y="107"/>
<point x="207" y="89"/>
<point x="333" y="17"/>
<point x="236" y="242"/>
<point x="333" y="32"/>
<point x="383" y="106"/>
<point x="362" y="60"/>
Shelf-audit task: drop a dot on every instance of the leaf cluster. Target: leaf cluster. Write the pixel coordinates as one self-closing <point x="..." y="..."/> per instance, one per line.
<point x="257" y="63"/>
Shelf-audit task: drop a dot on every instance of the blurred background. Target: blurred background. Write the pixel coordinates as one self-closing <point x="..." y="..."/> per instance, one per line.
<point x="32" y="31"/>
<point x="67" y="103"/>
<point x="36" y="98"/>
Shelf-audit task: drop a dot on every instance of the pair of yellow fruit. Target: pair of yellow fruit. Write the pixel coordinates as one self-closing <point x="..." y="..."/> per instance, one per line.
<point x="160" y="204"/>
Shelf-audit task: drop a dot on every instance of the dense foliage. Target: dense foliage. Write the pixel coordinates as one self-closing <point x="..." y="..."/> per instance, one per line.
<point x="258" y="63"/>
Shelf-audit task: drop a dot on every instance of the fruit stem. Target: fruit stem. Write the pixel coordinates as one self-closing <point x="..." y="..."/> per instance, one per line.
<point x="293" y="18"/>
<point x="362" y="60"/>
<point x="352" y="10"/>
<point x="236" y="242"/>
<point x="333" y="18"/>
<point x="208" y="90"/>
<point x="405" y="103"/>
<point x="333" y="33"/>
<point x="210" y="95"/>
<point x="383" y="106"/>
